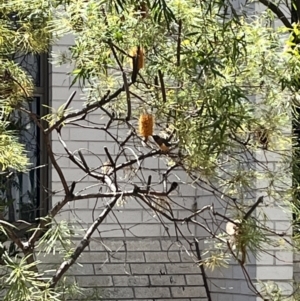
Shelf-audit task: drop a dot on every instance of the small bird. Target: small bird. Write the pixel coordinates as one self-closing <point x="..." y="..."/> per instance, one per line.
<point x="163" y="143"/>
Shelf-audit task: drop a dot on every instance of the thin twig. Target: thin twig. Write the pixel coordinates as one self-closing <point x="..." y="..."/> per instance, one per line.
<point x="127" y="97"/>
<point x="179" y="42"/>
<point x="67" y="104"/>
<point x="162" y="86"/>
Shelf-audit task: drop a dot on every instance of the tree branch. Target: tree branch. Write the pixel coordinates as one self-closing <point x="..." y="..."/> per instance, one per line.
<point x="83" y="244"/>
<point x="49" y="148"/>
<point x="55" y="164"/>
<point x="277" y="11"/>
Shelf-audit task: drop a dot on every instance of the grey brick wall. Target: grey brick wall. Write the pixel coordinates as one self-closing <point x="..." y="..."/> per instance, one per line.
<point x="146" y="270"/>
<point x="296" y="265"/>
<point x="134" y="261"/>
<point x="131" y="269"/>
<point x="149" y="271"/>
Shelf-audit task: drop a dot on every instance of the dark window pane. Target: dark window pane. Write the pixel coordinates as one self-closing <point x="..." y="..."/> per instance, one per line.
<point x="32" y="64"/>
<point x="29" y="182"/>
<point x="20" y="192"/>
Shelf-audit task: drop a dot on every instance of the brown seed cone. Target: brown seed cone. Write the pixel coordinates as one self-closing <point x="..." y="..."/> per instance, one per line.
<point x="146" y="125"/>
<point x="139" y="53"/>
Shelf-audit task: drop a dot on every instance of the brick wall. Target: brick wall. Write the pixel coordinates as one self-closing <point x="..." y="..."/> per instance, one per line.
<point x="157" y="270"/>
<point x="277" y="264"/>
<point x="151" y="272"/>
<point x="152" y="267"/>
<point x="149" y="269"/>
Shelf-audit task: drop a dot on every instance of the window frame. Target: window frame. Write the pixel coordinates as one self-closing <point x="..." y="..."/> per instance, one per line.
<point x="42" y="176"/>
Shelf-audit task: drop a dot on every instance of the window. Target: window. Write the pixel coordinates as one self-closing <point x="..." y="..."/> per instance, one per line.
<point x="24" y="195"/>
<point x="296" y="130"/>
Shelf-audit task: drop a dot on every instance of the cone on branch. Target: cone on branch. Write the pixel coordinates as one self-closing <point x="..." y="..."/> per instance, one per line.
<point x="146" y="123"/>
<point x="139" y="54"/>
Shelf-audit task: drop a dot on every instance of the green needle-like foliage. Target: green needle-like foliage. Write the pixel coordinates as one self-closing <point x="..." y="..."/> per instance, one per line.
<point x="23" y="29"/>
<point x="12" y="154"/>
<point x="224" y="87"/>
<point x="221" y="76"/>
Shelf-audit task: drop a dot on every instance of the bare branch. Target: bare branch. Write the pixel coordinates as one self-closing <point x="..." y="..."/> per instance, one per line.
<point x="162" y="86"/>
<point x="55" y="164"/>
<point x="149" y="184"/>
<point x="71" y="97"/>
<point x="278" y="12"/>
<point x="109" y="157"/>
<point x="83" y="244"/>
<point x="179" y="42"/>
<point x="83" y="160"/>
<point x="127" y="97"/>
<point x="90" y="108"/>
<point x="247" y="215"/>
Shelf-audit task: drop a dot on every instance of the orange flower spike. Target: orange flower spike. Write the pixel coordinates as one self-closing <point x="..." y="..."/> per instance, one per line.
<point x="139" y="54"/>
<point x="146" y="125"/>
<point x="141" y="58"/>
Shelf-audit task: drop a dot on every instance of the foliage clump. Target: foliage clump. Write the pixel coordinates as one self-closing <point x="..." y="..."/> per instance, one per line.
<point x="222" y="89"/>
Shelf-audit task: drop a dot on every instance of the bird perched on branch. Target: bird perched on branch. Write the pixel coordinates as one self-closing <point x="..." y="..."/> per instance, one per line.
<point x="163" y="143"/>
